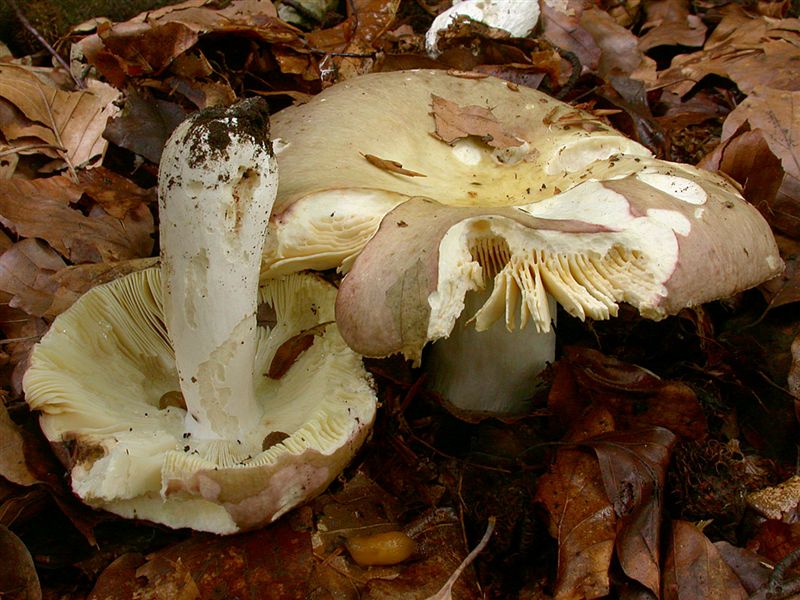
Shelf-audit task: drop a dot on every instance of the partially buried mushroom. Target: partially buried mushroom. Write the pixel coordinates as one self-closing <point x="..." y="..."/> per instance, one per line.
<point x="464" y="209"/>
<point x="163" y="392"/>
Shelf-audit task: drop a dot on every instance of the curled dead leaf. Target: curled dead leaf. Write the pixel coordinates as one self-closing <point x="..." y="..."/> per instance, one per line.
<point x="18" y="578"/>
<point x="454" y="122"/>
<point x="694" y="568"/>
<point x="391" y="165"/>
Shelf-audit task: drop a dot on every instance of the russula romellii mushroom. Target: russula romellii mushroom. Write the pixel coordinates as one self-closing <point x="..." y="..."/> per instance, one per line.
<point x="160" y="390"/>
<point x="502" y="200"/>
<point x="517" y="18"/>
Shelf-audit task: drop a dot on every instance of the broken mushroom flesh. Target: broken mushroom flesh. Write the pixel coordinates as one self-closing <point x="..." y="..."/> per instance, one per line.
<point x="161" y="390"/>
<point x="499" y="198"/>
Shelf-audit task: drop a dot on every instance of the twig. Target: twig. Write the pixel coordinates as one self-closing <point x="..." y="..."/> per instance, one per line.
<point x="778" y="588"/>
<point x="18" y="149"/>
<point x="40" y="38"/>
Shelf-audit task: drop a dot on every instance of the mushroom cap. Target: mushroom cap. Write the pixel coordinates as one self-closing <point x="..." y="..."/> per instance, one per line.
<point x="104" y="380"/>
<point x="428" y="186"/>
<point x="331" y="198"/>
<point x="659" y="236"/>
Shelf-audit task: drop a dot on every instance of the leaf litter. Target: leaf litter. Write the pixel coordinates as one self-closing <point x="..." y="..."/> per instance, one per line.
<point x="637" y="421"/>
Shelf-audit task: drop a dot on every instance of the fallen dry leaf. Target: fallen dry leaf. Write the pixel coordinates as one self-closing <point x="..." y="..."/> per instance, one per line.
<point x="619" y="49"/>
<point x="46" y="214"/>
<point x="774" y="540"/>
<point x="446" y="593"/>
<point x="785" y="289"/>
<point x="776" y="114"/>
<point x="74" y="280"/>
<point x="144" y="124"/>
<point x="116" y="194"/>
<point x="634" y="396"/>
<point x="391" y="165"/>
<point x="561" y="26"/>
<point x="746" y="157"/>
<point x="12" y="452"/>
<point x="277" y="558"/>
<point x="580" y="516"/>
<point x="633" y="465"/>
<point x="694" y="568"/>
<point x="752" y="570"/>
<point x="147" y="44"/>
<point x="357" y="36"/>
<point x="750" y="51"/>
<point x="18" y="578"/>
<point x="454" y="122"/>
<point x="26" y="274"/>
<point x="70" y="121"/>
<point x="669" y="23"/>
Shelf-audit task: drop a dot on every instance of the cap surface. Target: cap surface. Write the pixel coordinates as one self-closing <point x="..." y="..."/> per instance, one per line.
<point x="331" y="197"/>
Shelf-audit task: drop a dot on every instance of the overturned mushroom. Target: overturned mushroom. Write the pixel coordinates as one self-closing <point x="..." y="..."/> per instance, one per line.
<point x="156" y="388"/>
<point x="517" y="202"/>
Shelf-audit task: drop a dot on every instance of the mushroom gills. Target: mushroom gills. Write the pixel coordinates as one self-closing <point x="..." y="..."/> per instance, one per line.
<point x="490" y="361"/>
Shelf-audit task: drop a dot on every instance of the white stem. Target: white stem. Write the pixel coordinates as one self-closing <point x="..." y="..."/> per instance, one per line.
<point x="492" y="371"/>
<point x="218" y="180"/>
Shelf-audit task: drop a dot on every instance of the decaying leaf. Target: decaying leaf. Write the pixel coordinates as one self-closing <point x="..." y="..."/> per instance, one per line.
<point x="750" y="51"/>
<point x="580" y="516"/>
<point x="669" y="23"/>
<point x="633" y="465"/>
<point x="46" y="214"/>
<point x="785" y="289"/>
<point x="446" y="592"/>
<point x="12" y="455"/>
<point x="74" y="280"/>
<point x="635" y="396"/>
<point x="18" y="578"/>
<point x="26" y="274"/>
<point x="694" y="568"/>
<point x="454" y="122"/>
<point x="148" y="43"/>
<point x="356" y="37"/>
<point x="277" y="558"/>
<point x="113" y="192"/>
<point x="290" y="350"/>
<point x="391" y="165"/>
<point x="70" y="121"/>
<point x="775" y="113"/>
<point x="793" y="380"/>
<point x="561" y="25"/>
<point x="144" y="124"/>
<point x="619" y="50"/>
<point x="752" y="570"/>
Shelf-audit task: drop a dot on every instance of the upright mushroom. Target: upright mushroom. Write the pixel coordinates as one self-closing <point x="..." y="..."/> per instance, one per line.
<point x="160" y="390"/>
<point x="494" y="203"/>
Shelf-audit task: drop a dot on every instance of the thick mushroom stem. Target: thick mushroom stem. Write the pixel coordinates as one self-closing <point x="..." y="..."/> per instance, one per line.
<point x="494" y="370"/>
<point x="218" y="180"/>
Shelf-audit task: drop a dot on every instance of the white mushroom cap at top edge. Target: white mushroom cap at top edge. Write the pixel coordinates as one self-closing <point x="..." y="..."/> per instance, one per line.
<point x="517" y="17"/>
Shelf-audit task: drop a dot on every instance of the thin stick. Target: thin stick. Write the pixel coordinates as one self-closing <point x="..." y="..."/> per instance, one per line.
<point x="27" y="25"/>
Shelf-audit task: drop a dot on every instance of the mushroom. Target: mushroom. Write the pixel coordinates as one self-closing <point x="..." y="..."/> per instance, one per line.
<point x="517" y="18"/>
<point x="160" y="390"/>
<point x="463" y="210"/>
